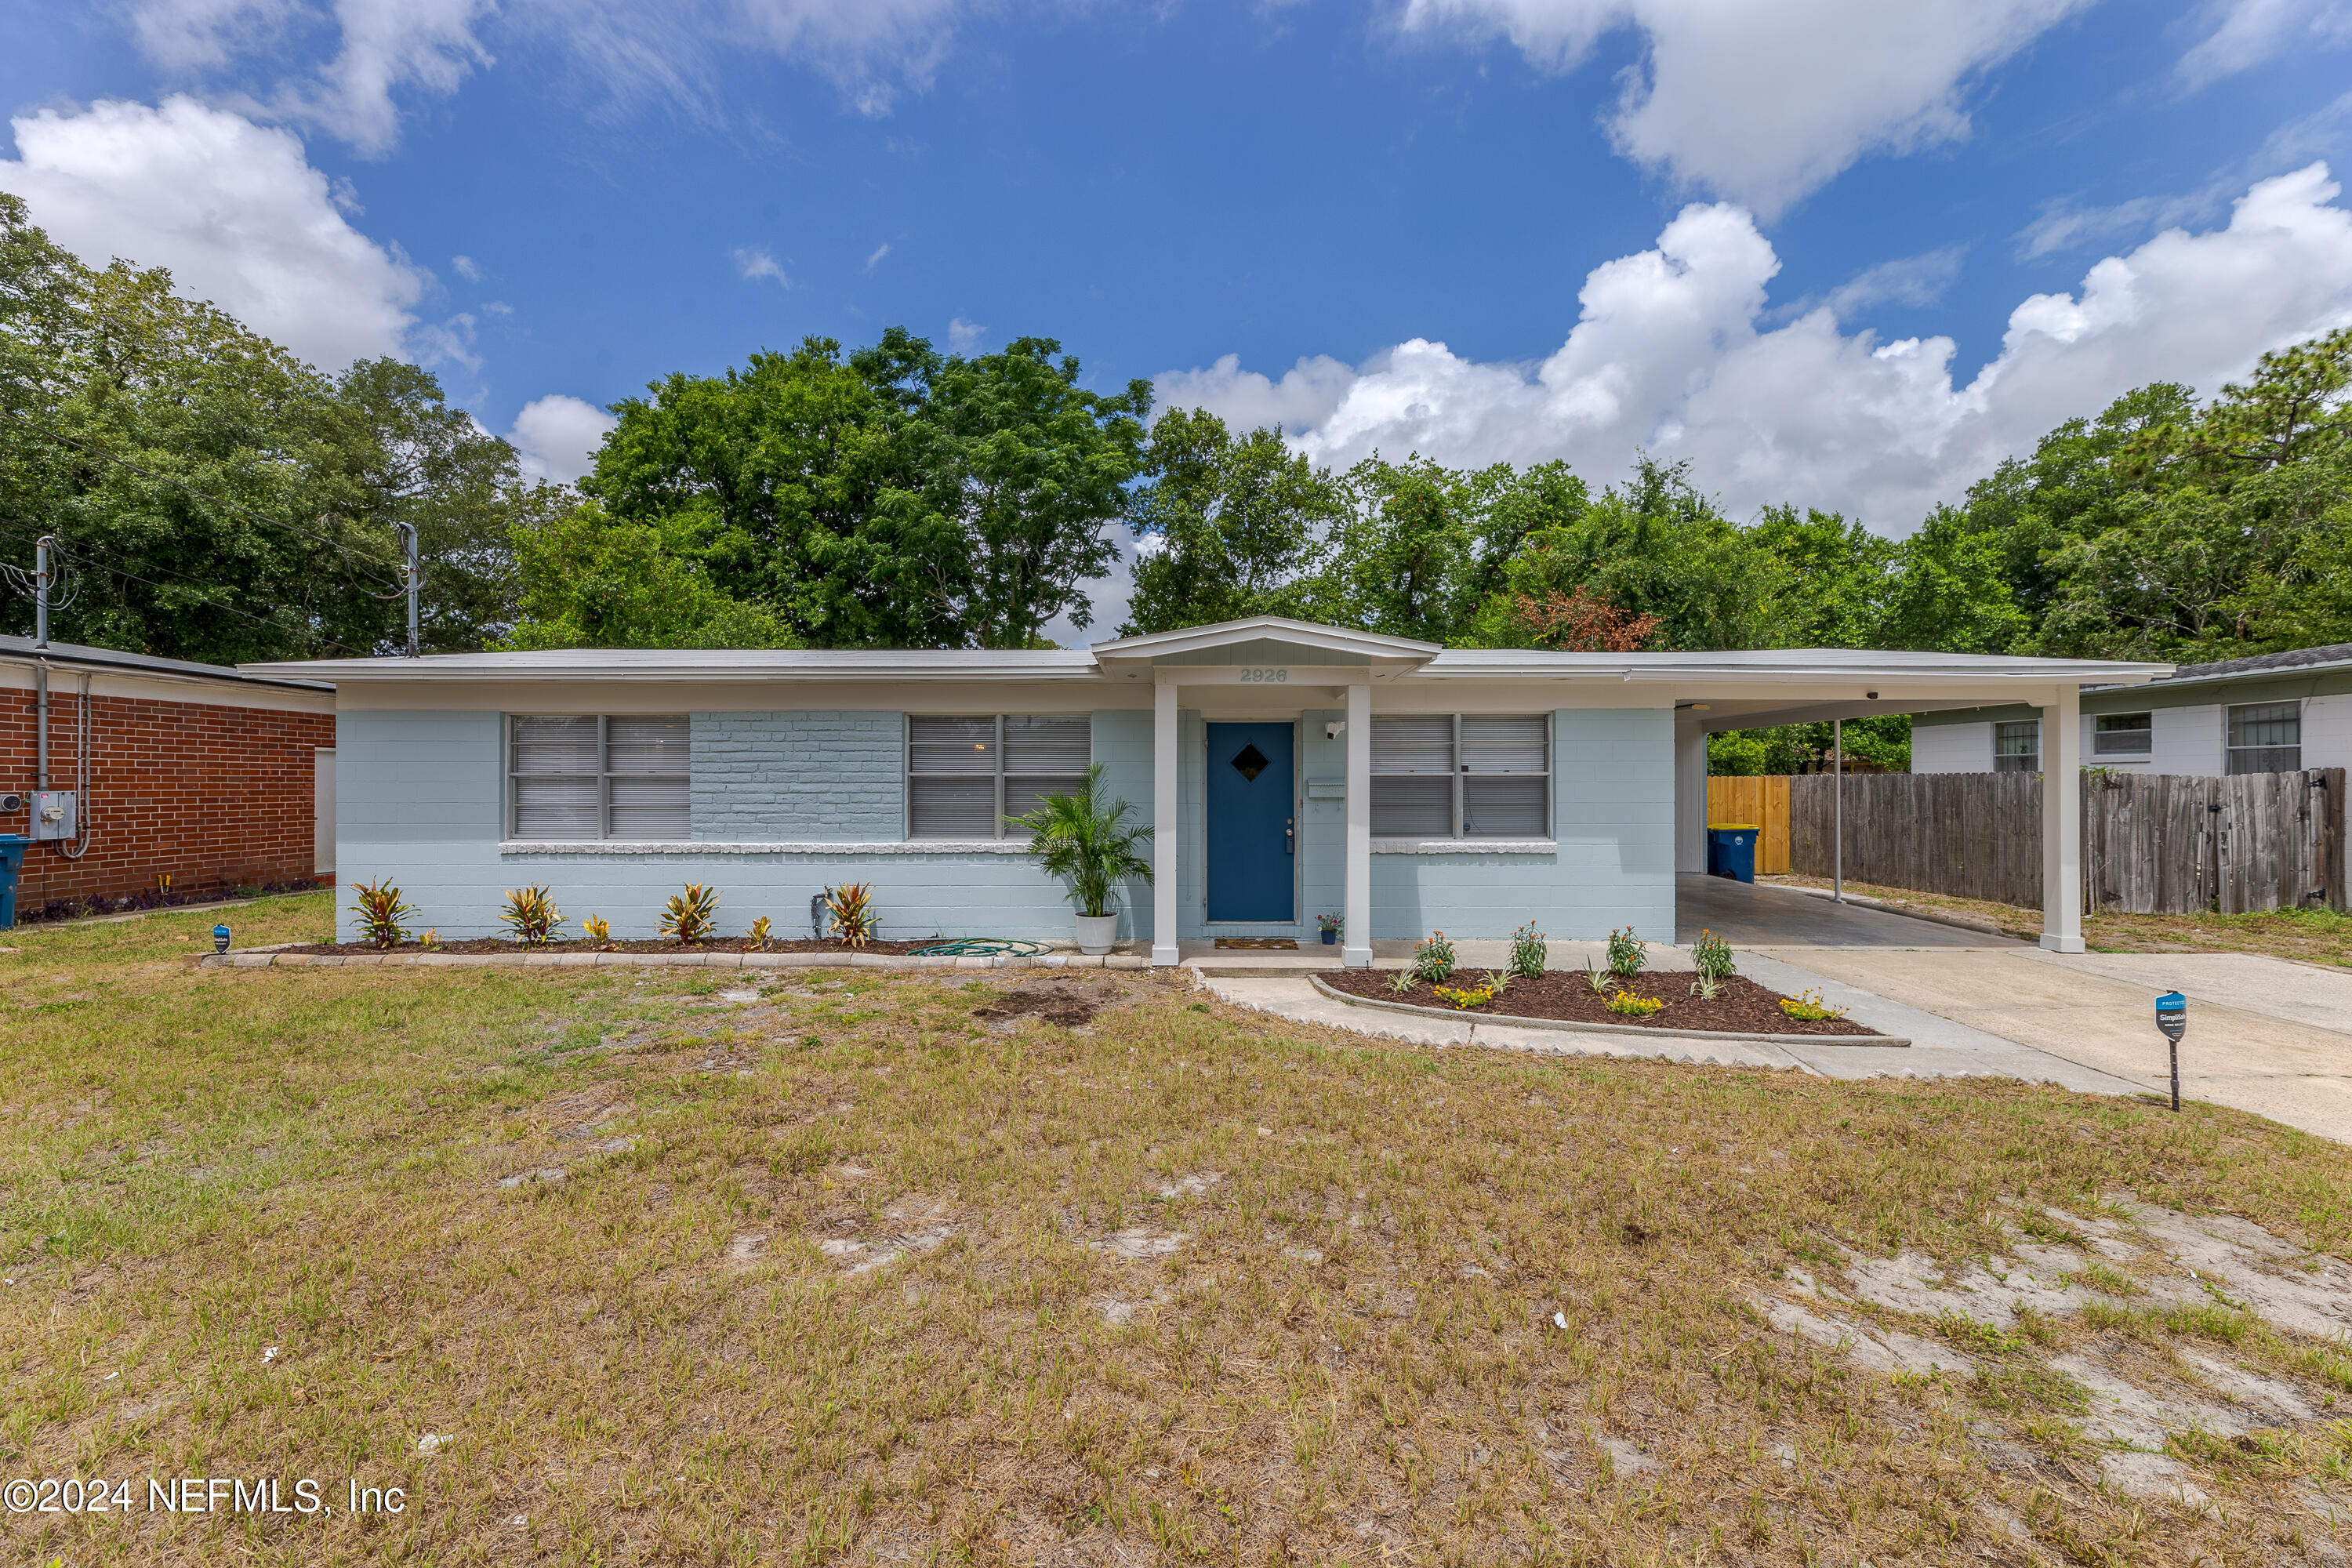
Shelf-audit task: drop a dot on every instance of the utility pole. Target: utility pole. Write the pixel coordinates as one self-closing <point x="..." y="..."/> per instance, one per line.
<point x="41" y="548"/>
<point x="409" y="577"/>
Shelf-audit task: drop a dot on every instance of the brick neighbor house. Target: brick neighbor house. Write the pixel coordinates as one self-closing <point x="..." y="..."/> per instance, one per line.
<point x="191" y="772"/>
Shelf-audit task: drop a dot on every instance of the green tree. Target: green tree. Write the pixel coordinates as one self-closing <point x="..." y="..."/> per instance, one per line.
<point x="1654" y="546"/>
<point x="217" y="497"/>
<point x="1946" y="591"/>
<point x="1031" y="469"/>
<point x="1229" y="525"/>
<point x="590" y="582"/>
<point x="791" y="473"/>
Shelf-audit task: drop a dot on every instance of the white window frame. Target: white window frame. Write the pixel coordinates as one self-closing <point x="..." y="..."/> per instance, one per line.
<point x="2229" y="752"/>
<point x="907" y="773"/>
<point x="2137" y="743"/>
<point x="1458" y="796"/>
<point x="1999" y="725"/>
<point x="604" y="774"/>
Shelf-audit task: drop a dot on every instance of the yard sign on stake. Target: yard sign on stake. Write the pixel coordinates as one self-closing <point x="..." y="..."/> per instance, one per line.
<point x="2172" y="1018"/>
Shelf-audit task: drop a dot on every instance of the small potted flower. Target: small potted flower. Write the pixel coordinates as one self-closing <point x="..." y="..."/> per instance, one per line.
<point x="1331" y="926"/>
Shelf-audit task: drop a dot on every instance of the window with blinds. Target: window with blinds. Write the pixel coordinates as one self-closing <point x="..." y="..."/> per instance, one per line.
<point x="2123" y="734"/>
<point x="2265" y="738"/>
<point x="1464" y="776"/>
<point x="966" y="775"/>
<point x="574" y="778"/>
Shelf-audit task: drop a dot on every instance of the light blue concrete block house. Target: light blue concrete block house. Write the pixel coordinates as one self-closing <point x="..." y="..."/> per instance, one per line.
<point x="1290" y="771"/>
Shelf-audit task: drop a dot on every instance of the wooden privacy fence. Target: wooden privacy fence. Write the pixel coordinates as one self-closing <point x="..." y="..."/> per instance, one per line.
<point x="1762" y="801"/>
<point x="2152" y="843"/>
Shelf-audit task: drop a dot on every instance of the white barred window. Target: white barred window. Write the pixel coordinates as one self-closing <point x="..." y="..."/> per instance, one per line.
<point x="966" y="775"/>
<point x="577" y="778"/>
<point x="1462" y="775"/>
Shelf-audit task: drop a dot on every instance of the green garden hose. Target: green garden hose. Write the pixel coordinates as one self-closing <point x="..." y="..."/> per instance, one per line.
<point x="983" y="947"/>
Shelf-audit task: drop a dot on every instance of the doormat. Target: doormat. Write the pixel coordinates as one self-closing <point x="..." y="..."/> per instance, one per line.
<point x="1274" y="941"/>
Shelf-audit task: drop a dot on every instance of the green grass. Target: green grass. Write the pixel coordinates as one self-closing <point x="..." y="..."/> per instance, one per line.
<point x="1338" y="1343"/>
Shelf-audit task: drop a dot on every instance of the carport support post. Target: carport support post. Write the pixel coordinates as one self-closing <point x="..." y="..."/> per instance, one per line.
<point x="1356" y="943"/>
<point x="2062" y="822"/>
<point x="1163" y="819"/>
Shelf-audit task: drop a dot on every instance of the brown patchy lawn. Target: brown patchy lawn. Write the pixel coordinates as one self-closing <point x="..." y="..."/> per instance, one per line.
<point x="2311" y="936"/>
<point x="848" y="1273"/>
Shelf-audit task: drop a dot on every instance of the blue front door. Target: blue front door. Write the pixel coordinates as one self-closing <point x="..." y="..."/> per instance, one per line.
<point x="1249" y="823"/>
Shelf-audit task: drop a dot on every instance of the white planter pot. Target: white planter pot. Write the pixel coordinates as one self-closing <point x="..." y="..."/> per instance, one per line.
<point x="1097" y="932"/>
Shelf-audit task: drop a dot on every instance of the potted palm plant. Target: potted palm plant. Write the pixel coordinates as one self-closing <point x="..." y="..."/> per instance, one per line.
<point x="1091" y="845"/>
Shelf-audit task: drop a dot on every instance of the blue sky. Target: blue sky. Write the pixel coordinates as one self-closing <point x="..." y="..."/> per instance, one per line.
<point x="1743" y="202"/>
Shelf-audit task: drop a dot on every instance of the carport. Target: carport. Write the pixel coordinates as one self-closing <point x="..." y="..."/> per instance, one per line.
<point x="1756" y="914"/>
<point x="1754" y="689"/>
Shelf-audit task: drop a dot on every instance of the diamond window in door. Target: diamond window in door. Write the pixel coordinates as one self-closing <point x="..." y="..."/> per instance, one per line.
<point x="1249" y="762"/>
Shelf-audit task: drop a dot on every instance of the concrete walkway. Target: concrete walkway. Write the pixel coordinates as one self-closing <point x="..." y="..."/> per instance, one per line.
<point x="2266" y="1034"/>
<point x="1940" y="1048"/>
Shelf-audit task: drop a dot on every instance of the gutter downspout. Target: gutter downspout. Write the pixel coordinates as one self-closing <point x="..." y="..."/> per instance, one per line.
<point x="41" y="644"/>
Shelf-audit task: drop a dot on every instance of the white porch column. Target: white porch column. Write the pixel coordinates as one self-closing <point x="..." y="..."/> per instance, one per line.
<point x="2062" y="822"/>
<point x="1690" y="796"/>
<point x="1163" y="819"/>
<point x="1355" y="945"/>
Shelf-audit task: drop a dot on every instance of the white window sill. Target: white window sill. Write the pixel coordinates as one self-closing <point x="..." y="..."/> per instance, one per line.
<point x="881" y="846"/>
<point x="1465" y="846"/>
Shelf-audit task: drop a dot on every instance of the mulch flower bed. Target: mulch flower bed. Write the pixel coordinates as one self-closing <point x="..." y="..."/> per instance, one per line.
<point x="721" y="944"/>
<point x="1742" y="1007"/>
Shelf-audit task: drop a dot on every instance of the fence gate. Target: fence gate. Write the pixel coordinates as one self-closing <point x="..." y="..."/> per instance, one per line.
<point x="2280" y="840"/>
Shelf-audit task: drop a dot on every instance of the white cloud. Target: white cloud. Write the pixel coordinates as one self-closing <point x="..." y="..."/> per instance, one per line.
<point x="880" y="251"/>
<point x="1914" y="280"/>
<point x="389" y="51"/>
<point x="466" y="267"/>
<point x="446" y="342"/>
<point x="233" y="208"/>
<point x="557" y="437"/>
<point x="964" y="337"/>
<point x="382" y="47"/>
<point x="2321" y="135"/>
<point x="2238" y="35"/>
<point x="754" y="262"/>
<point x="1763" y="100"/>
<point x="1669" y="355"/>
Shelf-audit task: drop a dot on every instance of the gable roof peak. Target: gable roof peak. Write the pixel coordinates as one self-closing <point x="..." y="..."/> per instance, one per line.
<point x="1346" y="646"/>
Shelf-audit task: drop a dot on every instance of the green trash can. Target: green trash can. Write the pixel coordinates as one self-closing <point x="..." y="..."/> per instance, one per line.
<point x="1731" y="850"/>
<point x="12" y="863"/>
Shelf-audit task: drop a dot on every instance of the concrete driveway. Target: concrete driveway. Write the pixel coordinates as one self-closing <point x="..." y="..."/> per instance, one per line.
<point x="1750" y="914"/>
<point x="2266" y="1034"/>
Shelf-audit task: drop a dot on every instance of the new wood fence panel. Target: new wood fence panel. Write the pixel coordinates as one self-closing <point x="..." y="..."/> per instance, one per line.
<point x="2152" y="843"/>
<point x="1763" y="801"/>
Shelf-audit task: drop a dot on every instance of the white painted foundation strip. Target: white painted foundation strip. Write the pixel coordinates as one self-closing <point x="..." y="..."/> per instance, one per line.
<point x="876" y="846"/>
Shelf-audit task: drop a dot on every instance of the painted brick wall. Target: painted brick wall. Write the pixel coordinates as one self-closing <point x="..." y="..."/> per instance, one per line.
<point x="1122" y="744"/>
<point x="1613" y="820"/>
<point x="217" y="797"/>
<point x="1964" y="748"/>
<point x="2327" y="731"/>
<point x="807" y="775"/>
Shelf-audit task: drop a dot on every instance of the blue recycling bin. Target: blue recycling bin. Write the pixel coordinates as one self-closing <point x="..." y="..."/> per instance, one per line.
<point x="11" y="862"/>
<point x="1731" y="850"/>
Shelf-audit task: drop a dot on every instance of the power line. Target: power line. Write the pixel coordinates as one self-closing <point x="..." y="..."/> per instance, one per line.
<point x="23" y="537"/>
<point x="242" y="510"/>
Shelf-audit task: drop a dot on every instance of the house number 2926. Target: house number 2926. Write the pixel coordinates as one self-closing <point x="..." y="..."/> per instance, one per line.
<point x="1253" y="676"/>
